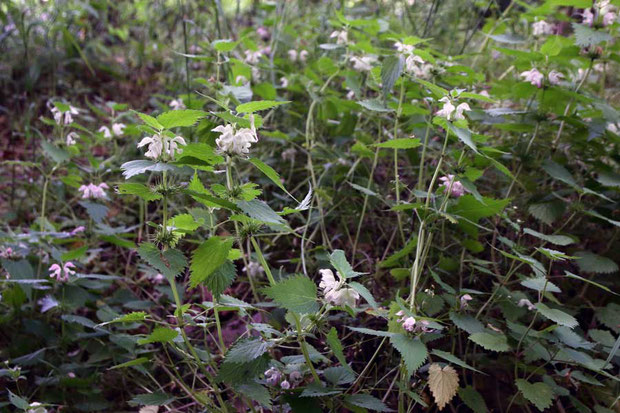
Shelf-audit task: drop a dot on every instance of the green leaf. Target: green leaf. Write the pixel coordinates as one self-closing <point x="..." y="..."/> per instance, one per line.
<point x="469" y="207"/>
<point x="185" y="222"/>
<point x="339" y="375"/>
<point x="586" y="36"/>
<point x="207" y="258"/>
<point x="540" y="283"/>
<point x="557" y="316"/>
<point x="466" y="322"/>
<point x="317" y="390"/>
<point x="400" y="143"/>
<point x="296" y="293"/>
<point x="453" y="359"/>
<point x="169" y="263"/>
<point x="390" y="71"/>
<point x="539" y="394"/>
<point x="151" y="399"/>
<point x="140" y="166"/>
<point x="180" y="118"/>
<point x="367" y="402"/>
<point x="259" y="105"/>
<point x="255" y="392"/>
<point x="575" y="276"/>
<point x="561" y="240"/>
<point x="490" y="341"/>
<point x="247" y="350"/>
<point x="371" y="332"/>
<point x="151" y="121"/>
<point x="144" y="192"/>
<point x="18" y="401"/>
<point x="558" y="172"/>
<point x="547" y="212"/>
<point x="128" y="318"/>
<point x="262" y="212"/>
<point x="160" y="335"/>
<point x="96" y="211"/>
<point x="412" y="350"/>
<point x="464" y="136"/>
<point x="224" y="45"/>
<point x="593" y="263"/>
<point x="74" y="254"/>
<point x="336" y="346"/>
<point x="363" y="291"/>
<point x="374" y="105"/>
<point x="339" y="261"/>
<point x="269" y="172"/>
<point x="57" y="154"/>
<point x="473" y="399"/>
<point x="130" y="363"/>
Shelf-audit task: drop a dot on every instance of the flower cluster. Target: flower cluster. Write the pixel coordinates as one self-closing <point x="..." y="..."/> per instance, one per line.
<point x="341" y="36"/>
<point x="117" y="130"/>
<point x="294" y="55"/>
<point x="451" y="112"/>
<point x="335" y="292"/>
<point x="159" y="144"/>
<point x="61" y="273"/>
<point x="541" y="28"/>
<point x="93" y="191"/>
<point x="274" y="377"/>
<point x="177" y="104"/>
<point x="362" y="64"/>
<point x="236" y="141"/>
<point x="412" y="325"/>
<point x="455" y="187"/>
<point x="536" y="78"/>
<point x="71" y="138"/>
<point x="66" y="117"/>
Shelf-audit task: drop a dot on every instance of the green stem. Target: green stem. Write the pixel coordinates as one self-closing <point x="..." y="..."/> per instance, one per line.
<point x="304" y="349"/>
<point x="262" y="260"/>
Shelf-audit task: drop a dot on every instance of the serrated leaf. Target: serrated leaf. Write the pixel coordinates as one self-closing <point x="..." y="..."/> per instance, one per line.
<point x="255" y="392"/>
<point x="169" y="263"/>
<point x="558" y="172"/>
<point x="443" y="384"/>
<point x="539" y="394"/>
<point x="586" y="36"/>
<point x="97" y="212"/>
<point x="185" y="222"/>
<point x="464" y="136"/>
<point x="144" y="192"/>
<point x="547" y="212"/>
<point x="371" y="332"/>
<point x="339" y="261"/>
<point x="317" y="390"/>
<point x="140" y="166"/>
<point x="336" y="346"/>
<point x="247" y="350"/>
<point x="339" y="375"/>
<point x="57" y="154"/>
<point x="180" y="118"/>
<point x="557" y="316"/>
<point x="412" y="350"/>
<point x="473" y="399"/>
<point x="363" y="291"/>
<point x="159" y="335"/>
<point x="453" y="359"/>
<point x="151" y="399"/>
<point x="18" y="401"/>
<point x="400" y="143"/>
<point x="491" y="341"/>
<point x="540" y="283"/>
<point x="259" y="105"/>
<point x="224" y="45"/>
<point x="561" y="240"/>
<point x="466" y="322"/>
<point x="391" y="69"/>
<point x="261" y="211"/>
<point x="128" y="318"/>
<point x="367" y="402"/>
<point x="207" y="258"/>
<point x="374" y="105"/>
<point x="151" y="121"/>
<point x="593" y="263"/>
<point x="269" y="173"/>
<point x="296" y="293"/>
<point x="134" y="362"/>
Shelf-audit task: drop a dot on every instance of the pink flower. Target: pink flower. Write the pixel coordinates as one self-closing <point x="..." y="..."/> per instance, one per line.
<point x="555" y="77"/>
<point x="78" y="230"/>
<point x="588" y="17"/>
<point x="409" y="324"/>
<point x="465" y="299"/>
<point x="609" y="18"/>
<point x="263" y="33"/>
<point x="61" y="273"/>
<point x="273" y="376"/>
<point x="456" y="188"/>
<point x="533" y="76"/>
<point x="524" y="302"/>
<point x="285" y="385"/>
<point x="447" y="109"/>
<point x="541" y="27"/>
<point x="93" y="191"/>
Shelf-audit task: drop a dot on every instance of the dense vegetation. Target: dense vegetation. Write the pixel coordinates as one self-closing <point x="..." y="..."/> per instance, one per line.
<point x="309" y="206"/>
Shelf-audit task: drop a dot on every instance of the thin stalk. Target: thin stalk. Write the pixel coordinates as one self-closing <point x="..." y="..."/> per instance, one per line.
<point x="262" y="260"/>
<point x="304" y="349"/>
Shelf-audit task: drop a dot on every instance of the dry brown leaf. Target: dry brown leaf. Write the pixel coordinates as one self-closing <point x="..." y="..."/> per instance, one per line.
<point x="443" y="384"/>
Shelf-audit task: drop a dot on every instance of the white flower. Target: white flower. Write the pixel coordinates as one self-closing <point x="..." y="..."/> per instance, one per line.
<point x="36" y="407"/>
<point x="292" y="55"/>
<point x="527" y="303"/>
<point x="465" y="298"/>
<point x="240" y="80"/>
<point x="328" y="281"/>
<point x="283" y="82"/>
<point x="342" y="296"/>
<point x="172" y="145"/>
<point x="106" y="132"/>
<point x="403" y="48"/>
<point x="303" y="55"/>
<point x="176" y="104"/>
<point x="93" y="191"/>
<point x="541" y="27"/>
<point x="256" y="74"/>
<point x="156" y="146"/>
<point x="61" y="274"/>
<point x="456" y="191"/>
<point x="447" y="109"/>
<point x="588" y="17"/>
<point x="555" y="77"/>
<point x="118" y="129"/>
<point x="609" y="18"/>
<point x="362" y="64"/>
<point x="253" y="57"/>
<point x="341" y="36"/>
<point x="66" y="117"/>
<point x="412" y="62"/>
<point x="460" y="109"/>
<point x="613" y="128"/>
<point x="72" y="138"/>
<point x="236" y="141"/>
<point x="254" y="269"/>
<point x="285" y="384"/>
<point x="47" y="303"/>
<point x="533" y="76"/>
